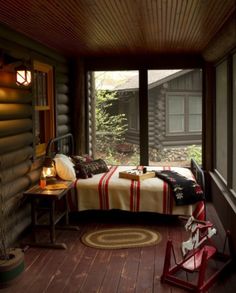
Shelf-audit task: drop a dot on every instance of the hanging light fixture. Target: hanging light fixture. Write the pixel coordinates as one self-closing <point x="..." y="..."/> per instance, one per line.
<point x="23" y="75"/>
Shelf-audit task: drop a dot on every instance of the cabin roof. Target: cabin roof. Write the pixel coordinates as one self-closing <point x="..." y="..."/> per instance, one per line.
<point x="156" y="78"/>
<point x="111" y="27"/>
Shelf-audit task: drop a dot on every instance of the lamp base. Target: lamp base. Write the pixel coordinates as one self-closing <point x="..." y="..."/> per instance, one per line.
<point x="51" y="180"/>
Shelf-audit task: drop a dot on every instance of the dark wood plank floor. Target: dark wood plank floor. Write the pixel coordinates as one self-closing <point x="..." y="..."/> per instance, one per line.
<point x="84" y="269"/>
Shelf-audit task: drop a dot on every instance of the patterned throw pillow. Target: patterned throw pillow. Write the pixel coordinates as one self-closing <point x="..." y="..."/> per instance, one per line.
<point x="81" y="159"/>
<point x="87" y="169"/>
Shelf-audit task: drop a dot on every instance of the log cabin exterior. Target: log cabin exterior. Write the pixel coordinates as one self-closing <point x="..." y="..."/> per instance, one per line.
<point x="162" y="86"/>
<point x="73" y="38"/>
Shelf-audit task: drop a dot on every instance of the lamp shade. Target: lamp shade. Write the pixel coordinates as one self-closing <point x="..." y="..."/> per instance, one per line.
<point x="23" y="75"/>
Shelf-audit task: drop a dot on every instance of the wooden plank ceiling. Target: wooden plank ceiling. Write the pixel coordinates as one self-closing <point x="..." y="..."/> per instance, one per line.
<point x="105" y="27"/>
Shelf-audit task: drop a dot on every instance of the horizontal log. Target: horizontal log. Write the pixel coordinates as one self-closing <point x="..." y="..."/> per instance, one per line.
<point x="33" y="176"/>
<point x="17" y="224"/>
<point x="62" y="78"/>
<point x="7" y="78"/>
<point x="17" y="171"/>
<point x="37" y="163"/>
<point x="62" y="109"/>
<point x="63" y="119"/>
<point x="62" y="67"/>
<point x="15" y="157"/>
<point x="15" y="111"/>
<point x="62" y="99"/>
<point x="12" y="205"/>
<point x="10" y="189"/>
<point x="63" y="129"/>
<point x="62" y="89"/>
<point x="16" y="142"/>
<point x="11" y="127"/>
<point x="14" y="232"/>
<point x="18" y="95"/>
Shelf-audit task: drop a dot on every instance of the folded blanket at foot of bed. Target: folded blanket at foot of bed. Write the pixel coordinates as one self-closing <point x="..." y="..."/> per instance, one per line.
<point x="185" y="191"/>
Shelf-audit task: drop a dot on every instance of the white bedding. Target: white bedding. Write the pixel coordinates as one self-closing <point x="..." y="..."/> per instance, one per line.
<point x="107" y="191"/>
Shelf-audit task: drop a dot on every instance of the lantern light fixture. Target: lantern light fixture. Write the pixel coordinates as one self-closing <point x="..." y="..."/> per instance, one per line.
<point x="49" y="170"/>
<point x="22" y="72"/>
<point x="23" y="75"/>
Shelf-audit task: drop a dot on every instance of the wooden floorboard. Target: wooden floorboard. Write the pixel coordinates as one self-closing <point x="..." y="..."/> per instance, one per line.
<point x="84" y="269"/>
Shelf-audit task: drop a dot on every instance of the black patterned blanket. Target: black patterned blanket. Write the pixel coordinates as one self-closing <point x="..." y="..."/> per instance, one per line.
<point x="185" y="191"/>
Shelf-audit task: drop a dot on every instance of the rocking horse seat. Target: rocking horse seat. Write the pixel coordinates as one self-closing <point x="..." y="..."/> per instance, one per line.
<point x="193" y="262"/>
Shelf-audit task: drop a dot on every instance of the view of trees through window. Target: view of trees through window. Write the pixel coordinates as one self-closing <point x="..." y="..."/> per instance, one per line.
<point x="113" y="118"/>
<point x="174" y="117"/>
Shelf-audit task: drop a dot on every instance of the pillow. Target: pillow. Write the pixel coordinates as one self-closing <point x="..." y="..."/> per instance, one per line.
<point x="65" y="157"/>
<point x="64" y="167"/>
<point x="87" y="169"/>
<point x="81" y="159"/>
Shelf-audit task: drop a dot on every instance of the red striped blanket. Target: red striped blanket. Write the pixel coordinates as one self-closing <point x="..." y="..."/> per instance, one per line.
<point x="107" y="191"/>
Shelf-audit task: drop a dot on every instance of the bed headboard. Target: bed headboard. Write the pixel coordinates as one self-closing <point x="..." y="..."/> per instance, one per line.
<point x="62" y="144"/>
<point x="198" y="174"/>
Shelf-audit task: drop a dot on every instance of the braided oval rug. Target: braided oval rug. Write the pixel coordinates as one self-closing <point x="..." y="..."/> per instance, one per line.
<point x="116" y="238"/>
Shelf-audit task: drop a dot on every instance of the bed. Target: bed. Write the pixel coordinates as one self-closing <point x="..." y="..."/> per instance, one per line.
<point x="107" y="191"/>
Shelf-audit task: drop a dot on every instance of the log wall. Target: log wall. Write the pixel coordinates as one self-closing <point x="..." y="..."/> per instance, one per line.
<point x="63" y="116"/>
<point x="18" y="167"/>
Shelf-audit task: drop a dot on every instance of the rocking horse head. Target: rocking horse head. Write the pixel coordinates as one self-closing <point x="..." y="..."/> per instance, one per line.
<point x="201" y="231"/>
<point x="188" y="225"/>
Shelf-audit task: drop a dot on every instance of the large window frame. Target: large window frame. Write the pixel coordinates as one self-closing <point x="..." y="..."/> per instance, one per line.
<point x="185" y="114"/>
<point x="125" y="64"/>
<point x="44" y="116"/>
<point x="221" y="114"/>
<point x="234" y="124"/>
<point x="227" y="178"/>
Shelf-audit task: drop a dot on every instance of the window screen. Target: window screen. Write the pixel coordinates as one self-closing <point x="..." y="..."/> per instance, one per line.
<point x="221" y="119"/>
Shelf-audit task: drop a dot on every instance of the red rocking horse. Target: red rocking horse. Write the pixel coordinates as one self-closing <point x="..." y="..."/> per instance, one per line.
<point x="197" y="252"/>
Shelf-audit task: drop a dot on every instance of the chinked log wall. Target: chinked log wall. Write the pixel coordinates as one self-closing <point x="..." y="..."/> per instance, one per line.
<point x="18" y="167"/>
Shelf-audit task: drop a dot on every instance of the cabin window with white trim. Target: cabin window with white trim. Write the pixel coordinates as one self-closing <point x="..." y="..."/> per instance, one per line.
<point x="184" y="114"/>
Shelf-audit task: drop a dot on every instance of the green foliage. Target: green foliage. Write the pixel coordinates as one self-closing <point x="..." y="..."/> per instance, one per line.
<point x="195" y="152"/>
<point x="110" y="129"/>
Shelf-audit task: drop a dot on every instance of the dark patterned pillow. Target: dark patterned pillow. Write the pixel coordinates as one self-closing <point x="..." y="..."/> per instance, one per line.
<point x="87" y="169"/>
<point x="81" y="159"/>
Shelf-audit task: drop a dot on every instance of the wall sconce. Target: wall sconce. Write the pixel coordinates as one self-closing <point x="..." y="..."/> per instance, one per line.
<point x="22" y="72"/>
<point x="23" y="75"/>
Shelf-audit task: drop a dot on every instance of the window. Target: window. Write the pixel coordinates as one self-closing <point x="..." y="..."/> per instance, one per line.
<point x="127" y="126"/>
<point x="44" y="106"/>
<point x="221" y="119"/>
<point x="234" y="124"/>
<point x="113" y="116"/>
<point x="195" y="114"/>
<point x="175" y="114"/>
<point x="184" y="114"/>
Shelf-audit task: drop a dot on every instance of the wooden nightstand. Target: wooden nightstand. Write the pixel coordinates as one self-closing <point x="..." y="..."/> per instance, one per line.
<point x="45" y="215"/>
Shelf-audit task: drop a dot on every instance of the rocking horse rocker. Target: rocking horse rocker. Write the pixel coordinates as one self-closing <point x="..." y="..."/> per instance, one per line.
<point x="197" y="251"/>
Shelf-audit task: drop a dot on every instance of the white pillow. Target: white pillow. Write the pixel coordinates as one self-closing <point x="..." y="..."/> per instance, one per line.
<point x="64" y="167"/>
